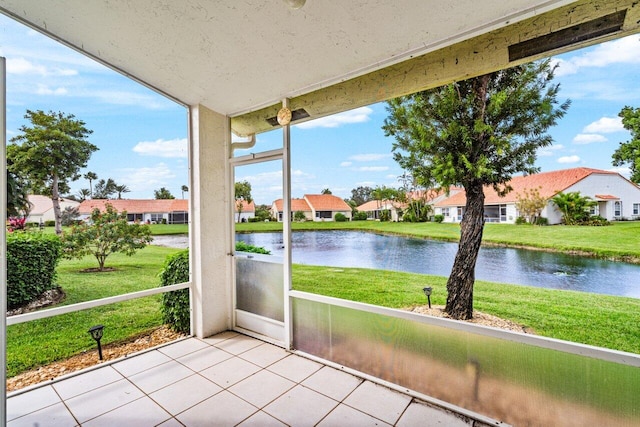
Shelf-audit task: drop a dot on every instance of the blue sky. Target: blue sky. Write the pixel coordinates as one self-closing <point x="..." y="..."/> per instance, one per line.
<point x="142" y="136"/>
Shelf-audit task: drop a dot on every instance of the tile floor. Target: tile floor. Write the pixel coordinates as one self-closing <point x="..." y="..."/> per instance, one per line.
<point x="228" y="379"/>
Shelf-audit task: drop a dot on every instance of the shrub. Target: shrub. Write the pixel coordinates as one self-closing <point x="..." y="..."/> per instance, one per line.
<point x="385" y="215"/>
<point x="31" y="266"/>
<point x="542" y="221"/>
<point x="175" y="305"/>
<point x="50" y="223"/>
<point x="596" y="221"/>
<point x="299" y="216"/>
<point x="521" y="220"/>
<point x="438" y="218"/>
<point x="340" y="217"/>
<point x="360" y="216"/>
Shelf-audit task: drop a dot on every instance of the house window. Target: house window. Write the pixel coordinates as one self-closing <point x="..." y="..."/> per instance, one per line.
<point x="636" y="208"/>
<point x="460" y="212"/>
<point x="134" y="217"/>
<point x="594" y="210"/>
<point x="617" y="209"/>
<point x="445" y="211"/>
<point x="323" y="214"/>
<point x="156" y="218"/>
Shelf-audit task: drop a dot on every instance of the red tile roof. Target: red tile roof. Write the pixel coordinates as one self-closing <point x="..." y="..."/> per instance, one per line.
<point x="374" y="205"/>
<point x="136" y="205"/>
<point x="327" y="202"/>
<point x="296" y="205"/>
<point x="246" y="207"/>
<point x="606" y="197"/>
<point x="548" y="184"/>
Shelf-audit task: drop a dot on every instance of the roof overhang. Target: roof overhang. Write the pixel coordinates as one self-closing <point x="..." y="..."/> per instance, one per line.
<point x="241" y="59"/>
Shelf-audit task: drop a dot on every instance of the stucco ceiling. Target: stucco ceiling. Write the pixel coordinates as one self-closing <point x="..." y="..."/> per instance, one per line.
<point x="237" y="56"/>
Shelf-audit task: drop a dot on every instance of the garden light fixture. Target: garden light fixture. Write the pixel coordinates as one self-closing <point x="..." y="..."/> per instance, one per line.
<point x="96" y="334"/>
<point x="427" y="292"/>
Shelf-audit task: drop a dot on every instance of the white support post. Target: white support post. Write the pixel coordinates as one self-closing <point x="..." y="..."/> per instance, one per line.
<point x="211" y="216"/>
<point x="286" y="221"/>
<point x="3" y="244"/>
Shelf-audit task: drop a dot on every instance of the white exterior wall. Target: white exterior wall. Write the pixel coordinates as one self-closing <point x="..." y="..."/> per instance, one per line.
<point x="512" y="214"/>
<point x="610" y="184"/>
<point x="551" y="212"/>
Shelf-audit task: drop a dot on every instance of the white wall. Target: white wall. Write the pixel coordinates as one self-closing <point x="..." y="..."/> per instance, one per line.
<point x="614" y="185"/>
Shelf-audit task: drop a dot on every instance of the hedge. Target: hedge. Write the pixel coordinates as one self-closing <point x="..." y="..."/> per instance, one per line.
<point x="32" y="259"/>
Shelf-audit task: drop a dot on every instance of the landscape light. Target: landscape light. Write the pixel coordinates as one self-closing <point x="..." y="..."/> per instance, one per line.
<point x="96" y="334"/>
<point x="427" y="292"/>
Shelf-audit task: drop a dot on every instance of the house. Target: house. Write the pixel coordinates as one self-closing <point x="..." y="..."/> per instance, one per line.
<point x="374" y="208"/>
<point x="315" y="207"/>
<point x="244" y="211"/>
<point x="42" y="208"/>
<point x="617" y="198"/>
<point x="150" y="211"/>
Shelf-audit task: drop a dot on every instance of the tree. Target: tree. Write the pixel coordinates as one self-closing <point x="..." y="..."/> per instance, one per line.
<point x="184" y="189"/>
<point x="361" y="195"/>
<point x="530" y="204"/>
<point x="121" y="189"/>
<point x="17" y="195"/>
<point x="106" y="233"/>
<point x="51" y="153"/>
<point x="162" y="193"/>
<point x="69" y="215"/>
<point x="90" y="176"/>
<point x="474" y="133"/>
<point x="83" y="194"/>
<point x="104" y="189"/>
<point x="242" y="195"/>
<point x="629" y="152"/>
<point x="574" y="207"/>
<point x="299" y="216"/>
<point x="326" y="191"/>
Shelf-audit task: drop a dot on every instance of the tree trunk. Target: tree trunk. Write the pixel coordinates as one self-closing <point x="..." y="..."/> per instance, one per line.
<point x="460" y="284"/>
<point x="55" y="198"/>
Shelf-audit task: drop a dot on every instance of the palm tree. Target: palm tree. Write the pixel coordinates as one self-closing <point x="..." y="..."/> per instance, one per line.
<point x="184" y="190"/>
<point x="121" y="189"/>
<point x="84" y="194"/>
<point x="90" y="176"/>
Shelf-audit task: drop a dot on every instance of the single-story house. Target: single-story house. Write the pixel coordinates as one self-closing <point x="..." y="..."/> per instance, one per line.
<point x="617" y="197"/>
<point x="150" y="211"/>
<point x="316" y="207"/>
<point x="374" y="208"/>
<point x="42" y="207"/>
<point x="244" y="211"/>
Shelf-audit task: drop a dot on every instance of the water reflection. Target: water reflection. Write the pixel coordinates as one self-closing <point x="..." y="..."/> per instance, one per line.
<point x="506" y="265"/>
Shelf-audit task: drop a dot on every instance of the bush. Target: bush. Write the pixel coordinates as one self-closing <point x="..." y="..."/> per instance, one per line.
<point x="175" y="305"/>
<point x="438" y="218"/>
<point x="385" y="215"/>
<point x="596" y="221"/>
<point x="31" y="266"/>
<point x="340" y="217"/>
<point x="50" y="223"/>
<point x="521" y="220"/>
<point x="542" y="221"/>
<point x="360" y="216"/>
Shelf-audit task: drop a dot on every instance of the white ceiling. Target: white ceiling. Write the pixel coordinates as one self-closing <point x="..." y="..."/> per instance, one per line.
<point x="237" y="56"/>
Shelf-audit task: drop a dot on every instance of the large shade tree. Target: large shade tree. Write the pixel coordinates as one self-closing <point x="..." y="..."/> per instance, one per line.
<point x="242" y="191"/>
<point x="628" y="153"/>
<point x="49" y="153"/>
<point x="474" y="133"/>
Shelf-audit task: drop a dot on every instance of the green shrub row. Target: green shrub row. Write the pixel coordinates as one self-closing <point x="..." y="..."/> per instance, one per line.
<point x="32" y="259"/>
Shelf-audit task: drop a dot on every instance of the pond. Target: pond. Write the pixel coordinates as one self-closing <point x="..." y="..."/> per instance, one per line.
<point x="505" y="265"/>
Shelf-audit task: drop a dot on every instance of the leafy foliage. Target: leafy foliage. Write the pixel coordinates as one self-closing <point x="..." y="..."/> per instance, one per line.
<point x="163" y="193"/>
<point x="69" y="215"/>
<point x="361" y="195"/>
<point x="360" y="216"/>
<point x="574" y="207"/>
<point x="243" y="196"/>
<point x="629" y="152"/>
<point x="340" y="217"/>
<point x="530" y="204"/>
<point x="299" y="216"/>
<point x="17" y="195"/>
<point x="31" y="266"/>
<point x="107" y="232"/>
<point x="50" y="153"/>
<point x="474" y="133"/>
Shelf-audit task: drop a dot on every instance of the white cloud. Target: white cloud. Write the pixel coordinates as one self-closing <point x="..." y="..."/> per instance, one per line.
<point x="391" y="176"/>
<point x="24" y="66"/>
<point x="569" y="159"/>
<point x="605" y="125"/>
<point x="146" y="179"/>
<point x="346" y="164"/>
<point x="45" y="90"/>
<point x="621" y="51"/>
<point x="373" y="168"/>
<point x="372" y="157"/>
<point x="550" y="151"/>
<point x="588" y="138"/>
<point x="359" y="115"/>
<point x="162" y="148"/>
<point x="622" y="170"/>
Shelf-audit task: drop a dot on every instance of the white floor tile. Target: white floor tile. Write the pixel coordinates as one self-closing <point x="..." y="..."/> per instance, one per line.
<point x="261" y="388"/>
<point x="332" y="382"/>
<point x="264" y="355"/>
<point x="137" y="364"/>
<point x="139" y="413"/>
<point x="171" y="423"/>
<point x="260" y="419"/>
<point x="160" y="376"/>
<point x="229" y="372"/>
<point x="417" y="414"/>
<point x="223" y="409"/>
<point x="56" y="415"/>
<point x="301" y="407"/>
<point x="183" y="347"/>
<point x="218" y="338"/>
<point x="347" y="416"/>
<point x="238" y="344"/>
<point x="295" y="368"/>
<point x="86" y="382"/>
<point x="102" y="400"/>
<point x="378" y="401"/>
<point x="31" y="401"/>
<point x="185" y="393"/>
<point x="205" y="358"/>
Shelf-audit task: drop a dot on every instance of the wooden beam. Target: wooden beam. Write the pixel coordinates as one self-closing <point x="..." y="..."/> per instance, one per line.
<point x="479" y="55"/>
